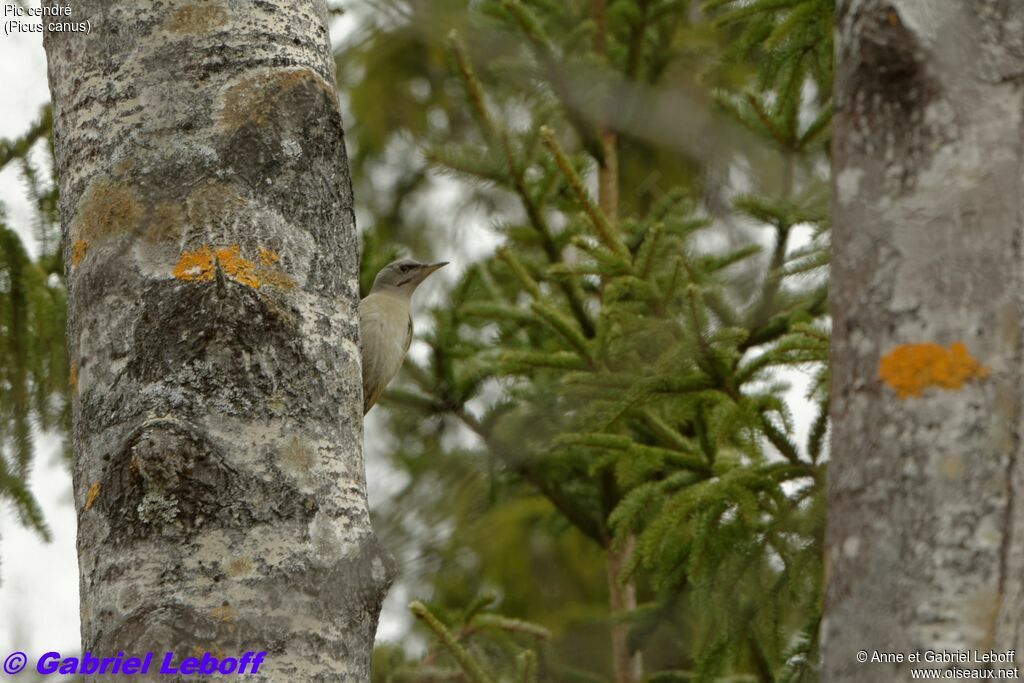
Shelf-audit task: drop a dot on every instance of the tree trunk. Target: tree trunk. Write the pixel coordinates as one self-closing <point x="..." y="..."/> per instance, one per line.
<point x="924" y="547"/>
<point x="628" y="666"/>
<point x="211" y="260"/>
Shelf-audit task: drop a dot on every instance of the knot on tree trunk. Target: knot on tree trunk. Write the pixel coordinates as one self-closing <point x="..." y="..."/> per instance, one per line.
<point x="885" y="87"/>
<point x="168" y="479"/>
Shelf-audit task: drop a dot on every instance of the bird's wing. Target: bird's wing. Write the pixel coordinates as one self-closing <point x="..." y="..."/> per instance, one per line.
<point x="385" y="337"/>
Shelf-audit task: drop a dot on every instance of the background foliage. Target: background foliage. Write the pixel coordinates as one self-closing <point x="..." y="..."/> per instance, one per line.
<point x="634" y="194"/>
<point x="33" y="364"/>
<point x="607" y="378"/>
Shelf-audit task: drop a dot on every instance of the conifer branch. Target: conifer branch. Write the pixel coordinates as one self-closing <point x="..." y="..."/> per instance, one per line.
<point x="587" y="525"/>
<point x="533" y="211"/>
<point x="526" y="662"/>
<point x="605" y="231"/>
<point x="20" y="146"/>
<point x="466" y="661"/>
<point x="541" y="46"/>
<point x="472" y="87"/>
<point x="517" y="268"/>
<point x="772" y="280"/>
<point x="565" y="329"/>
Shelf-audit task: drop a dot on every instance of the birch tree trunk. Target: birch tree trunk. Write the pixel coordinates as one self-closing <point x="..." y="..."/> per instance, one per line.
<point x="925" y="541"/>
<point x="211" y="260"/>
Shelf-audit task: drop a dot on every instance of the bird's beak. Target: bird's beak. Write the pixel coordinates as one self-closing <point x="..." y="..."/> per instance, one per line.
<point x="425" y="270"/>
<point x="430" y="268"/>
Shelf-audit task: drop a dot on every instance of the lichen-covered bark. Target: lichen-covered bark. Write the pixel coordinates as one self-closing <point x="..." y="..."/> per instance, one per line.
<point x="925" y="541"/>
<point x="211" y="258"/>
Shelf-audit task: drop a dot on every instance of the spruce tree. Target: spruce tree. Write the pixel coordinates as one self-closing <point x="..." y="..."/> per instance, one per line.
<point x="617" y="352"/>
<point x="33" y="365"/>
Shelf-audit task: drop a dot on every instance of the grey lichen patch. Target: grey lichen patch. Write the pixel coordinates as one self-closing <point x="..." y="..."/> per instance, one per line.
<point x="156" y="510"/>
<point x="198" y="18"/>
<point x="261" y="99"/>
<point x="107" y="209"/>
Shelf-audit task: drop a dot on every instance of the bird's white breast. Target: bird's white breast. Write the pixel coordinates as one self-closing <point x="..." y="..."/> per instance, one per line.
<point x="386" y="335"/>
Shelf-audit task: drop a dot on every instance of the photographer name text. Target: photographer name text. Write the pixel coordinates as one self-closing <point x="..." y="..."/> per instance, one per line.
<point x="167" y="664"/>
<point x="937" y="657"/>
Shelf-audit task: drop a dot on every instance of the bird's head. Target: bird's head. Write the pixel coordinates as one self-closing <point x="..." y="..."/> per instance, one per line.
<point x="404" y="275"/>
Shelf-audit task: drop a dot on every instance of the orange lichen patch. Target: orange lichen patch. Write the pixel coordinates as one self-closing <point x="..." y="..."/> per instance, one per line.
<point x="254" y="100"/>
<point x="73" y="377"/>
<point x="78" y="252"/>
<point x="90" y="497"/>
<point x="198" y="266"/>
<point x="106" y="209"/>
<point x="911" y="368"/>
<point x="239" y="269"/>
<point x="225" y="614"/>
<point x="198" y="18"/>
<point x="268" y="257"/>
<point x="270" y="274"/>
<point x="195" y="266"/>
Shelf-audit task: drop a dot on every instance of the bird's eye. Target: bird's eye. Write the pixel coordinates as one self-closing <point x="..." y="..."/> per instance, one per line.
<point x="405" y="267"/>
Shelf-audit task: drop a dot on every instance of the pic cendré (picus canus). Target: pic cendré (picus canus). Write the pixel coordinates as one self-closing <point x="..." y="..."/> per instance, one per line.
<point x="386" y="323"/>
